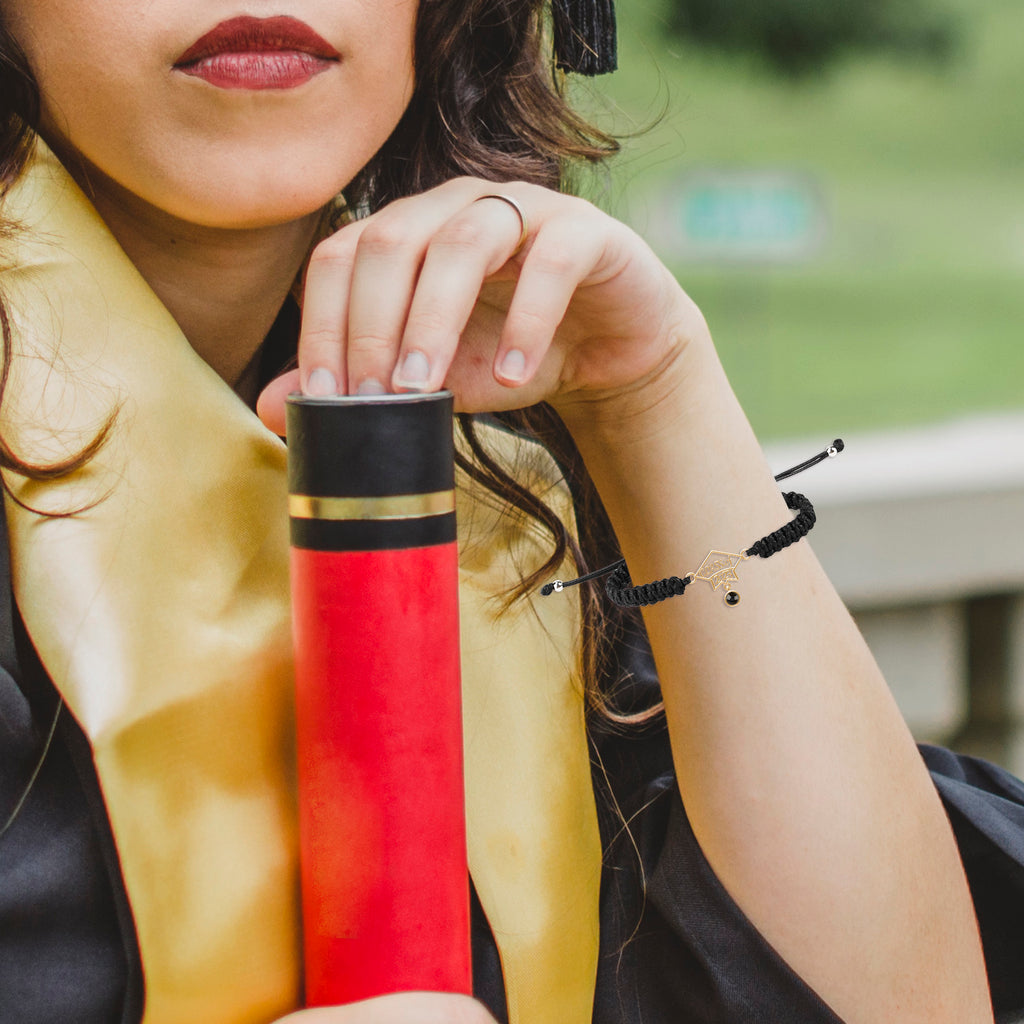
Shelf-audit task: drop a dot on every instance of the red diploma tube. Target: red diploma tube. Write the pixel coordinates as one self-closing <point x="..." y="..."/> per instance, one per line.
<point x="385" y="886"/>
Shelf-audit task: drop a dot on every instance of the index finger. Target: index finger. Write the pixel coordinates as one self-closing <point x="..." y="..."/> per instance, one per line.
<point x="325" y="314"/>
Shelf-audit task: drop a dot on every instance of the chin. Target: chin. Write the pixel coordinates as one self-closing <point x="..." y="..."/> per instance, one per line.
<point x="261" y="211"/>
<point x="252" y="197"/>
<point x="248" y="189"/>
<point x="214" y="187"/>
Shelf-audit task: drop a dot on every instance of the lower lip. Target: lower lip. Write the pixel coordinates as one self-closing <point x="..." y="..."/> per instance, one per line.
<point x="274" y="69"/>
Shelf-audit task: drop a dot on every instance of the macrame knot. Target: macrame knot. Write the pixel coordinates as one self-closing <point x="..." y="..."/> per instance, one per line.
<point x="622" y="592"/>
<point x="798" y="527"/>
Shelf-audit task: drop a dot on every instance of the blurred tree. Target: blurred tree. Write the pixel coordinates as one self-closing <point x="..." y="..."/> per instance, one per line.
<point x="797" y="37"/>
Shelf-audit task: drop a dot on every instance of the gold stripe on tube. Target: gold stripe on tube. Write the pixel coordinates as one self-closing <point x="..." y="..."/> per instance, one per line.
<point x="392" y="506"/>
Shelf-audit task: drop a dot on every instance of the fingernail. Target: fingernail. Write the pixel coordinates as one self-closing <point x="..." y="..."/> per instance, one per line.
<point x="414" y="371"/>
<point x="321" y="382"/>
<point x="371" y="386"/>
<point x="513" y="366"/>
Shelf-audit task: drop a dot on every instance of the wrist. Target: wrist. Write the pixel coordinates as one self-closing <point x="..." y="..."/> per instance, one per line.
<point x="669" y="402"/>
<point x="676" y="463"/>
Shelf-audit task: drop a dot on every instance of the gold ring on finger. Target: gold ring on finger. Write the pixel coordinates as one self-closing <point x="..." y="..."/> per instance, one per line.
<point x="524" y="229"/>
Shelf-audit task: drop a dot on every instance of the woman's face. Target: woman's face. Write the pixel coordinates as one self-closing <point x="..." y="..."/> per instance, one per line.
<point x="274" y="110"/>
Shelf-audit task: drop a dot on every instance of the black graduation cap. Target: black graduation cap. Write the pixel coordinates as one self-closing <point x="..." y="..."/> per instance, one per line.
<point x="585" y="39"/>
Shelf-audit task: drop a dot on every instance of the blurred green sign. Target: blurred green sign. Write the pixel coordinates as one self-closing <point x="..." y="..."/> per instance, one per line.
<point x="742" y="216"/>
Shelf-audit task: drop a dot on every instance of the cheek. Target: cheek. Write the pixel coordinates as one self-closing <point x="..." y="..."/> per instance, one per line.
<point x="73" y="46"/>
<point x="385" y="64"/>
<point x="88" y="79"/>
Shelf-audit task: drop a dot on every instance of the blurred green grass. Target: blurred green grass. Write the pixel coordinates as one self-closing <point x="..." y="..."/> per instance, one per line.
<point x="913" y="310"/>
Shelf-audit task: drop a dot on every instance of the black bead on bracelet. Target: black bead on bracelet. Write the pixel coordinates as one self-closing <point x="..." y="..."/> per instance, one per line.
<point x="718" y="567"/>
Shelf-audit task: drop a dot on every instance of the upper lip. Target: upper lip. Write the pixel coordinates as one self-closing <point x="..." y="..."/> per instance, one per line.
<point x="248" y="35"/>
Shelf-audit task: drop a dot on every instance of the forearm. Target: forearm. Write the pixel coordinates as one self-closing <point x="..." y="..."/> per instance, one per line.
<point x="800" y="778"/>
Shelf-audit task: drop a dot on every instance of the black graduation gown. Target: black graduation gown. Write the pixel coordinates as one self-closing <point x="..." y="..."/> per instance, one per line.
<point x="680" y="952"/>
<point x="683" y="952"/>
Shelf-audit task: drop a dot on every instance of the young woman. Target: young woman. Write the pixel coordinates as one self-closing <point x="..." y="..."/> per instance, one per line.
<point x="171" y="173"/>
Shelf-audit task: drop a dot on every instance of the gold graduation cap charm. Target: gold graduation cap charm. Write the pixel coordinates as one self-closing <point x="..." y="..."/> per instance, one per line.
<point x="719" y="569"/>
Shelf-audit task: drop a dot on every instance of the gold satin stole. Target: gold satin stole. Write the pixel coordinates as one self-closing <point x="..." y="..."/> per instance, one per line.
<point x="161" y="614"/>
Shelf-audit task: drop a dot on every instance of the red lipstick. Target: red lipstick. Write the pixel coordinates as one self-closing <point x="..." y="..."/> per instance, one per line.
<point x="258" y="53"/>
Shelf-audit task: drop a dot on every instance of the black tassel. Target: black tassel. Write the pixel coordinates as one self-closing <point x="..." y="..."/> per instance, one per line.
<point x="585" y="40"/>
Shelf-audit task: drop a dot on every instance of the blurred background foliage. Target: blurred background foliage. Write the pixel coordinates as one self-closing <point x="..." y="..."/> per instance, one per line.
<point x="897" y="126"/>
<point x="797" y="37"/>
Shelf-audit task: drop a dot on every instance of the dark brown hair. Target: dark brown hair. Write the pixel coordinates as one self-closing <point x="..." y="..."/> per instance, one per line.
<point x="489" y="103"/>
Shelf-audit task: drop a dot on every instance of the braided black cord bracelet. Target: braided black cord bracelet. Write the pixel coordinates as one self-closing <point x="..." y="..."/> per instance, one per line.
<point x="719" y="567"/>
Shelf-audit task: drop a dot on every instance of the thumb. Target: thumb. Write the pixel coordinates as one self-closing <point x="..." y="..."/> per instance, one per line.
<point x="401" y="1008"/>
<point x="270" y="404"/>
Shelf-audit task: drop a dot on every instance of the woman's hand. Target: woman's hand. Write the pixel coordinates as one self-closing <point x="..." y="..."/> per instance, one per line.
<point x="402" y="1008"/>
<point x="437" y="291"/>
